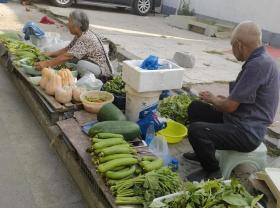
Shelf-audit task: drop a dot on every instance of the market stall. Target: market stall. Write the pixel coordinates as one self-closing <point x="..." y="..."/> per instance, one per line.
<point x="103" y="148"/>
<point x="29" y="78"/>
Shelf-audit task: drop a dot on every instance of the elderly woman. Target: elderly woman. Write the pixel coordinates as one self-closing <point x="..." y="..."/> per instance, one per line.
<point x="86" y="47"/>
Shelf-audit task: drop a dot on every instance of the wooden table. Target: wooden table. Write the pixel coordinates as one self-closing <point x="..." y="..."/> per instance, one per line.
<point x="78" y="142"/>
<point x="53" y="109"/>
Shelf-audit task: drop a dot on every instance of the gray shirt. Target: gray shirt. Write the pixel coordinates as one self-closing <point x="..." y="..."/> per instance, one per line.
<point x="257" y="90"/>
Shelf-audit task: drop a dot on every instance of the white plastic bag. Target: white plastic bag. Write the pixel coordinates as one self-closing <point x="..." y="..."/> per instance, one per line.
<point x="159" y="147"/>
<point x="50" y="42"/>
<point x="89" y="82"/>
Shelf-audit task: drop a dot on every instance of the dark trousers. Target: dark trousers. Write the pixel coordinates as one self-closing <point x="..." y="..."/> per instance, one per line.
<point x="208" y="133"/>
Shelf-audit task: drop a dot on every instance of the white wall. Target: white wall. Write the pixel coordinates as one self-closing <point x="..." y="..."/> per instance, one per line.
<point x="264" y="12"/>
<point x="172" y="3"/>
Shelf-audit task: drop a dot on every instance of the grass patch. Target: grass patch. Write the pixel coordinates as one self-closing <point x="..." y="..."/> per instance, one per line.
<point x="232" y="60"/>
<point x="272" y="151"/>
<point x="214" y="52"/>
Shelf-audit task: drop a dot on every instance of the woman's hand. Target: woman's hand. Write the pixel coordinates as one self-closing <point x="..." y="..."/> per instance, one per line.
<point x="40" y="65"/>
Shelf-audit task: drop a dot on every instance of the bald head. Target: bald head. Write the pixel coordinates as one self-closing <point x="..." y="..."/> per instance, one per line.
<point x="249" y="33"/>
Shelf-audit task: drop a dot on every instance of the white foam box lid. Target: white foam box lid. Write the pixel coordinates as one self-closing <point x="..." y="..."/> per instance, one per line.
<point x="142" y="80"/>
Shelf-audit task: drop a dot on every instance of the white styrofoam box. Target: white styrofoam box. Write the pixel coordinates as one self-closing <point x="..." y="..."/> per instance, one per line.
<point x="169" y="76"/>
<point x="138" y="104"/>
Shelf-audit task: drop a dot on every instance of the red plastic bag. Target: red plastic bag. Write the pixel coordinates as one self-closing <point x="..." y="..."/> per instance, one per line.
<point x="46" y="20"/>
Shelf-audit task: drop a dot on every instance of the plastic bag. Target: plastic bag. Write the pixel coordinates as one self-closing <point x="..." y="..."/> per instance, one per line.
<point x="145" y="122"/>
<point x="51" y="42"/>
<point x="150" y="63"/>
<point x="31" y="28"/>
<point x="46" y="20"/>
<point x="159" y="147"/>
<point x="89" y="82"/>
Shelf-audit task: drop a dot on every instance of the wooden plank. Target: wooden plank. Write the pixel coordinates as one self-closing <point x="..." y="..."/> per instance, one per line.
<point x="80" y="143"/>
<point x="273" y="175"/>
<point x="270" y="183"/>
<point x="56" y="105"/>
<point x="50" y="99"/>
<point x="83" y="117"/>
<point x="69" y="105"/>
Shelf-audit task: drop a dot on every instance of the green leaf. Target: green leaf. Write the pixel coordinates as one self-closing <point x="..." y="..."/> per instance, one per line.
<point x="255" y="201"/>
<point x="235" y="199"/>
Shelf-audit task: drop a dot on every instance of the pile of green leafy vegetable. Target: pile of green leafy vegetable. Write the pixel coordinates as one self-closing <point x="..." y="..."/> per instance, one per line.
<point x="115" y="86"/>
<point x="213" y="193"/>
<point x="145" y="188"/>
<point x="21" y="50"/>
<point x="176" y="108"/>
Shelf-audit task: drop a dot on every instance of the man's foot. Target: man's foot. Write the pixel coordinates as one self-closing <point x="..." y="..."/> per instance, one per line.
<point x="191" y="156"/>
<point x="214" y="175"/>
<point x="198" y="175"/>
<point x="204" y="175"/>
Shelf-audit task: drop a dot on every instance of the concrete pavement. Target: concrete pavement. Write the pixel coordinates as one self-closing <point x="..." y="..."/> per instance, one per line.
<point x="143" y="36"/>
<point x="32" y="175"/>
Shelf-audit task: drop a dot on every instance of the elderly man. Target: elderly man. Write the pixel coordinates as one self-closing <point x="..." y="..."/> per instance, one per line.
<point x="85" y="47"/>
<point x="239" y="121"/>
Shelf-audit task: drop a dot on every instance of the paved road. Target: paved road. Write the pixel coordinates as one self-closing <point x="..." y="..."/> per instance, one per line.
<point x="32" y="175"/>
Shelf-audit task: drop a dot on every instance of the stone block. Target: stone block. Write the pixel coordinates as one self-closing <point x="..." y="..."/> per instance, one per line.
<point x="184" y="59"/>
<point x="179" y="21"/>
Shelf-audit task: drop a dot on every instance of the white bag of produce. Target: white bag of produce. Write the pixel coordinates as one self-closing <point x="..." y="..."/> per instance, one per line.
<point x="89" y="82"/>
<point x="50" y="42"/>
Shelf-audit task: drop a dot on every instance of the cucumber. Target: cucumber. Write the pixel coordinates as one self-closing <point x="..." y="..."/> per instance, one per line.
<point x="120" y="174"/>
<point x="117" y="149"/>
<point x="108" y="135"/>
<point x="128" y="129"/>
<point x="109" y="143"/>
<point x="112" y="182"/>
<point x="107" y="149"/>
<point x="154" y="165"/>
<point x="120" y="168"/>
<point x="96" y="140"/>
<point x="110" y="112"/>
<point x="114" y="156"/>
<point x="104" y="167"/>
<point x="149" y="158"/>
<point x="143" y="163"/>
<point x="90" y="149"/>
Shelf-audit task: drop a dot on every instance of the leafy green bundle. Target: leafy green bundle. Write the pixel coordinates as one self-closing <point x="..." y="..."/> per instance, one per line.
<point x="145" y="188"/>
<point x="214" y="194"/>
<point x="21" y="50"/>
<point x="175" y="108"/>
<point x="115" y="86"/>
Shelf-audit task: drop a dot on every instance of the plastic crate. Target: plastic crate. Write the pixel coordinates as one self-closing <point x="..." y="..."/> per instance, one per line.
<point x="119" y="101"/>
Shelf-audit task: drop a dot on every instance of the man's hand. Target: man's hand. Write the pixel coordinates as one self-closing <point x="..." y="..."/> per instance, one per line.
<point x="40" y="65"/>
<point x="221" y="103"/>
<point x="207" y="96"/>
<point x="221" y="97"/>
